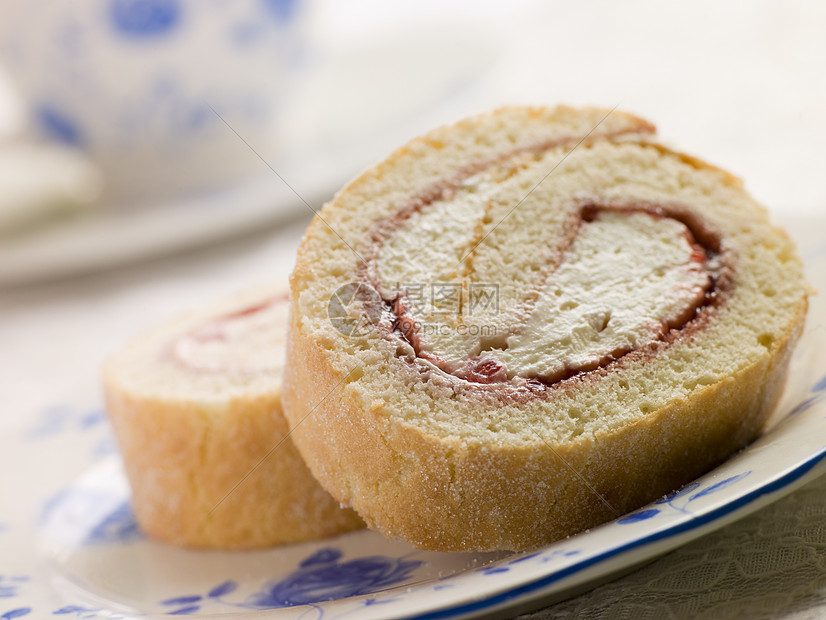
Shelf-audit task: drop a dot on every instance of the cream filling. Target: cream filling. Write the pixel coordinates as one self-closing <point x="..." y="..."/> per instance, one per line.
<point x="252" y="340"/>
<point x="625" y="280"/>
<point x="421" y="263"/>
<point x="426" y="249"/>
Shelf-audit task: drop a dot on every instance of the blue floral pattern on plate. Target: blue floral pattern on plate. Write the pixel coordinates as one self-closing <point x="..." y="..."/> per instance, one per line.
<point x="818" y="394"/>
<point x="91" y="422"/>
<point x="684" y="493"/>
<point x="119" y="526"/>
<point x="79" y="612"/>
<point x="55" y="420"/>
<point x="356" y="575"/>
<point x="322" y="577"/>
<point x="107" y="520"/>
<point x="10" y="586"/>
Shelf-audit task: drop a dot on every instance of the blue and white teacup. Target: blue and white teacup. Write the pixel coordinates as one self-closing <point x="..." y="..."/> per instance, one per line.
<point x="162" y="94"/>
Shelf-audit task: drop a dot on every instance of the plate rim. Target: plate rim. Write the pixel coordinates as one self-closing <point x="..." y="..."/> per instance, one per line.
<point x="533" y="591"/>
<point x="738" y="508"/>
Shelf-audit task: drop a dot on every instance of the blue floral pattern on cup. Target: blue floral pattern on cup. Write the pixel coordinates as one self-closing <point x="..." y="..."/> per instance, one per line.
<point x="282" y="9"/>
<point x="58" y="125"/>
<point x="142" y="19"/>
<point x="236" y="59"/>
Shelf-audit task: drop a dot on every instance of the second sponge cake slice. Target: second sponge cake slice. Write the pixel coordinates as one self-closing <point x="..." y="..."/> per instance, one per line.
<point x="196" y="409"/>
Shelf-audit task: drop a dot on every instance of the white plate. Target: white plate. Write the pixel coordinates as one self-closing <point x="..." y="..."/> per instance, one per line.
<point x="71" y="548"/>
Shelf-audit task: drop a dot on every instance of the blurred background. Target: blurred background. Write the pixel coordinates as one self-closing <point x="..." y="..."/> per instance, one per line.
<point x="158" y="154"/>
<point x="131" y="129"/>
